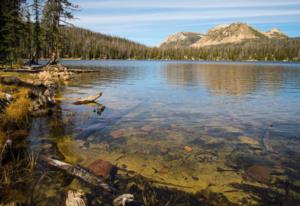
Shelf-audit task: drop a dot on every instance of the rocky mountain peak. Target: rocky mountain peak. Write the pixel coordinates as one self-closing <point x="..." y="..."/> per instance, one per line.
<point x="275" y="33"/>
<point x="222" y="34"/>
<point x="181" y="39"/>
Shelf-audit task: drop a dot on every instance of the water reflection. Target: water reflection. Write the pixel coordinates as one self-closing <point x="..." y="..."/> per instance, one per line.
<point x="231" y="79"/>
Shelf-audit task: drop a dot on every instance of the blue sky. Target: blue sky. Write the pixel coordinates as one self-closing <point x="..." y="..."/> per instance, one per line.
<point x="151" y="21"/>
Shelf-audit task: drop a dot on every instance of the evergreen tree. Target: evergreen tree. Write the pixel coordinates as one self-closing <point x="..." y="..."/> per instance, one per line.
<point x="11" y="30"/>
<point x="3" y="31"/>
<point x="56" y="14"/>
<point x="37" y="31"/>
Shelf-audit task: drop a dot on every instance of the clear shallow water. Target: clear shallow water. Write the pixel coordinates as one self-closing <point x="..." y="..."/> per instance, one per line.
<point x="229" y="128"/>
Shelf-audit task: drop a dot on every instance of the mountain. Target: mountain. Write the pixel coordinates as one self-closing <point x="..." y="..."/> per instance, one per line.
<point x="276" y="34"/>
<point x="181" y="39"/>
<point x="223" y="35"/>
<point x="227" y="34"/>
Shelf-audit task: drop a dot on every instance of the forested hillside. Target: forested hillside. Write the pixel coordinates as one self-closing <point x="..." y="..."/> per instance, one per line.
<point x="85" y="44"/>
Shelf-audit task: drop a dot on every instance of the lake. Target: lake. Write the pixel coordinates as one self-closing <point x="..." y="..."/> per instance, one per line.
<point x="217" y="130"/>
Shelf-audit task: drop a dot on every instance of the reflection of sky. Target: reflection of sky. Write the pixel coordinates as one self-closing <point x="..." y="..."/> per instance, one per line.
<point x="149" y="22"/>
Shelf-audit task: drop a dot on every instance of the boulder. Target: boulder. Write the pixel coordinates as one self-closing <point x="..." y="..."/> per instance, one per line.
<point x="103" y="169"/>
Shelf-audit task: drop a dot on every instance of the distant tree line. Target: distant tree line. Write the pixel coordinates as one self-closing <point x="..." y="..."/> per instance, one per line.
<point x="41" y="30"/>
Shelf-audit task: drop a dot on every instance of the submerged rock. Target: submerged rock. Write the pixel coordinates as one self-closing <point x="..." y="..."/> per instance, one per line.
<point x="103" y="169"/>
<point x="249" y="141"/>
<point x="260" y="173"/>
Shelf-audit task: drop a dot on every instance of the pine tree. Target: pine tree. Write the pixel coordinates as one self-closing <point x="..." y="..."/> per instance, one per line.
<point x="37" y="31"/>
<point x="11" y="30"/>
<point x="56" y="14"/>
<point x="3" y="31"/>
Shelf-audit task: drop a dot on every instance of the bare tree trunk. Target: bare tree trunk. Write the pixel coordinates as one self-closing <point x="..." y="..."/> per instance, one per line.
<point x="53" y="59"/>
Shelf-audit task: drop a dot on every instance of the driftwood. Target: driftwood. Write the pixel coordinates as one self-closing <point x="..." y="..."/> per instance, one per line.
<point x="79" y="172"/>
<point x="122" y="200"/>
<point x="75" y="198"/>
<point x="89" y="99"/>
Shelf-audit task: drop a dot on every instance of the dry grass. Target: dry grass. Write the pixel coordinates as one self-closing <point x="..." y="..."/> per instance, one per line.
<point x="17" y="170"/>
<point x="12" y="66"/>
<point x="8" y="89"/>
<point x="31" y="161"/>
<point x="2" y="96"/>
<point x="18" y="111"/>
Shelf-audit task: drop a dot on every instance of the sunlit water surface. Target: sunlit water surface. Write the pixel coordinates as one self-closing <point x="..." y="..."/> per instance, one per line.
<point x="230" y="128"/>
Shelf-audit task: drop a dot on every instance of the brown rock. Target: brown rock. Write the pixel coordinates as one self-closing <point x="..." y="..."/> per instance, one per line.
<point x="188" y="149"/>
<point x="103" y="169"/>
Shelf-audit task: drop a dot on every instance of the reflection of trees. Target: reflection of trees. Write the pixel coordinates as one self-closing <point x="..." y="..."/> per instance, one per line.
<point x="104" y="76"/>
<point x="232" y="79"/>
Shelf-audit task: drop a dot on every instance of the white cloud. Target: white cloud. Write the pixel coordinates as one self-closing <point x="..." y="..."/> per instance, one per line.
<point x="90" y="4"/>
<point x="177" y="16"/>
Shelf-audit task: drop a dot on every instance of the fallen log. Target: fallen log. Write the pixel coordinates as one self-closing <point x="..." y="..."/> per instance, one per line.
<point x="79" y="172"/>
<point x="89" y="99"/>
<point x="12" y="80"/>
